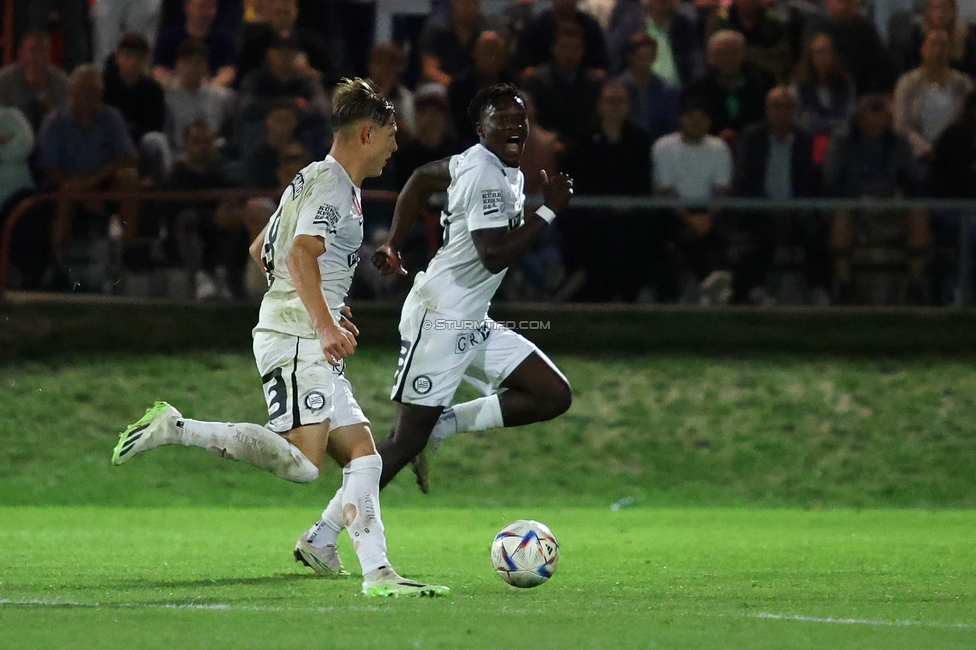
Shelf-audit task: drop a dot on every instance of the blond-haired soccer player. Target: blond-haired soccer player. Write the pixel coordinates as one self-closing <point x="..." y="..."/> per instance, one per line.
<point x="310" y="249"/>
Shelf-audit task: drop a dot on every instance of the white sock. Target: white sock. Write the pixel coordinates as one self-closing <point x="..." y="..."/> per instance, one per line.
<point x="250" y="443"/>
<point x="479" y="414"/>
<point x="326" y="530"/>
<point x="446" y="425"/>
<point x="361" y="510"/>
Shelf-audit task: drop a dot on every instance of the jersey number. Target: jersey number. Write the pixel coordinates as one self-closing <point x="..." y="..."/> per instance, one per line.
<point x="276" y="393"/>
<point x="267" y="255"/>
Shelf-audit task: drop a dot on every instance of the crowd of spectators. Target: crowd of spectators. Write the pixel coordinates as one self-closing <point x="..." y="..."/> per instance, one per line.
<point x="694" y="99"/>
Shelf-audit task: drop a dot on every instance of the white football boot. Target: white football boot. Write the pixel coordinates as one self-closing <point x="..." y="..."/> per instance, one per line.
<point x="324" y="560"/>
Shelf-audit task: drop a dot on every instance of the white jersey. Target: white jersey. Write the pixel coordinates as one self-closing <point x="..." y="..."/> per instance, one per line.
<point x="484" y="193"/>
<point x="321" y="201"/>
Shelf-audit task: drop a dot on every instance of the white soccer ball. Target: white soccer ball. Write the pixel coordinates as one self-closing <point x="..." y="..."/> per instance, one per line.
<point x="525" y="553"/>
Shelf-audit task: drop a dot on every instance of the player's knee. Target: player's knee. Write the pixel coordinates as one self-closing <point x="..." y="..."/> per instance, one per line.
<point x="298" y="469"/>
<point x="559" y="399"/>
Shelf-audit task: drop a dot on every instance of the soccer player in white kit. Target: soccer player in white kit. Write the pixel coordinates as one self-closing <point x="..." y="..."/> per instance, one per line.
<point x="310" y="249"/>
<point x="446" y="334"/>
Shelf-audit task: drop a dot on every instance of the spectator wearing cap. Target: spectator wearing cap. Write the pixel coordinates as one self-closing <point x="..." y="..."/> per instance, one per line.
<point x="653" y="104"/>
<point x="928" y="98"/>
<point x="869" y="159"/>
<point x="678" y="58"/>
<point x="32" y="83"/>
<point x="190" y="96"/>
<point x="857" y="43"/>
<point x="447" y="43"/>
<point x="385" y="67"/>
<point x="766" y="35"/>
<point x="733" y="89"/>
<point x="693" y="165"/>
<point x="565" y="92"/>
<point x="198" y="24"/>
<point x="535" y="43"/>
<point x="490" y="67"/>
<point x="130" y="88"/>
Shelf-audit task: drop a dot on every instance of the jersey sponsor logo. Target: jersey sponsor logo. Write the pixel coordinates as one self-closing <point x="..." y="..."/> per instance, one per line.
<point x="353" y="258"/>
<point x="422" y="384"/>
<point x="491" y="202"/>
<point x="314" y="401"/>
<point x="471" y="340"/>
<point x="328" y="216"/>
<point x="297" y="185"/>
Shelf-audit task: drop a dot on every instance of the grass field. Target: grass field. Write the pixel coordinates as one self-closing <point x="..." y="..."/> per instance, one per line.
<point x="780" y="502"/>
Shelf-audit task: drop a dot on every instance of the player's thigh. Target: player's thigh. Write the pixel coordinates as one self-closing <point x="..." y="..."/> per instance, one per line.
<point x="509" y="360"/>
<point x="298" y="382"/>
<point x="432" y="362"/>
<point x="312" y="440"/>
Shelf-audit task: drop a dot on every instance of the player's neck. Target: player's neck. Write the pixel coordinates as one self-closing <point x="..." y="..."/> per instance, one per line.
<point x="349" y="159"/>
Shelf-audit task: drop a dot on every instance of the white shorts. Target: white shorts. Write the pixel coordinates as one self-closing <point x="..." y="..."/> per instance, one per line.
<point x="437" y="353"/>
<point x="300" y="386"/>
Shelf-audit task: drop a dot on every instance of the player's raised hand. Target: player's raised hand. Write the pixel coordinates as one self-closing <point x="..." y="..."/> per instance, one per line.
<point x="337" y="343"/>
<point x="557" y="191"/>
<point x="345" y="320"/>
<point x="388" y="260"/>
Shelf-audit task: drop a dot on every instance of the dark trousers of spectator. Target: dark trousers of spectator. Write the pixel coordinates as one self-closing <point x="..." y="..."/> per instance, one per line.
<point x="766" y="232"/>
<point x="612" y="248"/>
<point x="353" y="24"/>
<point x="686" y="251"/>
<point x="203" y="245"/>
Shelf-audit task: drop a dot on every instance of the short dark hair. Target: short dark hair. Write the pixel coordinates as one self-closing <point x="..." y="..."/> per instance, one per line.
<point x="192" y="47"/>
<point x="133" y="42"/>
<point x="568" y="29"/>
<point x="488" y="97"/>
<point x="357" y="99"/>
<point x="639" y="40"/>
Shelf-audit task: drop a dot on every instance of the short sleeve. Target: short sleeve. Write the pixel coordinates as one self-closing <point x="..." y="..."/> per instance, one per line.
<point x="489" y="204"/>
<point x="661" y="167"/>
<point x="723" y="166"/>
<point x="319" y="213"/>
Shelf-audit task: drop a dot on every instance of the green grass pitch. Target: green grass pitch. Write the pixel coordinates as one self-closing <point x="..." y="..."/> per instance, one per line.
<point x="781" y="502"/>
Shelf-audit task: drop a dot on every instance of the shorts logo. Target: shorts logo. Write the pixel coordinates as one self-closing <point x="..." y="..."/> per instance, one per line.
<point x="327" y="216"/>
<point x="297" y="185"/>
<point x="314" y="401"/>
<point x="422" y="384"/>
<point x="491" y="202"/>
<point x="471" y="340"/>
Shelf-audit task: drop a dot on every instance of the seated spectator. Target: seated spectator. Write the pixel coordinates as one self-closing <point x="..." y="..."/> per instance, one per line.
<point x="432" y="139"/>
<point x="316" y="57"/>
<point x="281" y="78"/>
<point x="766" y="35"/>
<point x="775" y="161"/>
<point x="943" y="15"/>
<point x="825" y="91"/>
<point x="211" y="238"/>
<point x="32" y="83"/>
<point x="199" y="24"/>
<point x="86" y="146"/>
<point x="929" y="98"/>
<point x="447" y="45"/>
<point x="691" y="164"/>
<point x="16" y="143"/>
<point x="535" y="43"/>
<point x="512" y="23"/>
<point x="542" y="151"/>
<point x="112" y="18"/>
<point x="489" y="69"/>
<point x="679" y="57"/>
<point x="869" y="159"/>
<point x="129" y="88"/>
<point x="385" y="67"/>
<point x="653" y="104"/>
<point x="611" y="158"/>
<point x="261" y="166"/>
<point x="733" y="89"/>
<point x="565" y="92"/>
<point x="191" y="97"/>
<point x="857" y="43"/>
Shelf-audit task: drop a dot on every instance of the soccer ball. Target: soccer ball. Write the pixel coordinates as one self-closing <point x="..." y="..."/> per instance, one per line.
<point x="525" y="553"/>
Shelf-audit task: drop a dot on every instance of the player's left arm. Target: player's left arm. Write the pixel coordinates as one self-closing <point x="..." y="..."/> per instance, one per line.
<point x="499" y="248"/>
<point x="254" y="250"/>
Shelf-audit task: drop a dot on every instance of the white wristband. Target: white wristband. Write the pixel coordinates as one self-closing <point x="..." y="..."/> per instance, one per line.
<point x="546" y="213"/>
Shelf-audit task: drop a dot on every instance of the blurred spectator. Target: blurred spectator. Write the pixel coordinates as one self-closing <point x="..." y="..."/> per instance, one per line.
<point x="826" y="93"/>
<point x="129" y="88"/>
<point x="766" y="35"/>
<point x="112" y="18"/>
<point x="513" y="22"/>
<point x="939" y="14"/>
<point x="72" y="24"/>
<point x="653" y="104"/>
<point x="565" y="93"/>
<point x="432" y="139"/>
<point x="190" y="96"/>
<point x="489" y="69"/>
<point x="611" y="158"/>
<point x="86" y="146"/>
<point x="386" y="64"/>
<point x="210" y="236"/>
<point x="870" y="160"/>
<point x="446" y="45"/>
<point x="690" y="164"/>
<point x="32" y="83"/>
<point x="541" y="152"/>
<point x="733" y="90"/>
<point x="535" y="43"/>
<point x="281" y="77"/>
<point x="199" y="24"/>
<point x="261" y="166"/>
<point x="857" y="44"/>
<point x="678" y="46"/>
<point x="16" y="143"/>
<point x="316" y="58"/>
<point x="775" y="161"/>
<point x="928" y="98"/>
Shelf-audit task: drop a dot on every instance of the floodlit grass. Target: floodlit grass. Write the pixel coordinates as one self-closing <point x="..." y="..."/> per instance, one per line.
<point x="646" y="578"/>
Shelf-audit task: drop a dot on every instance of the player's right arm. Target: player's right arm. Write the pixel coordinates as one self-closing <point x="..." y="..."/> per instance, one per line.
<point x="303" y="267"/>
<point x="255" y="249"/>
<point x="425" y="180"/>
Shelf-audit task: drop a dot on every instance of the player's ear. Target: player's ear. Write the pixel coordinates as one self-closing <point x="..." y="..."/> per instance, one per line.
<point x="366" y="133"/>
<point x="479" y="129"/>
